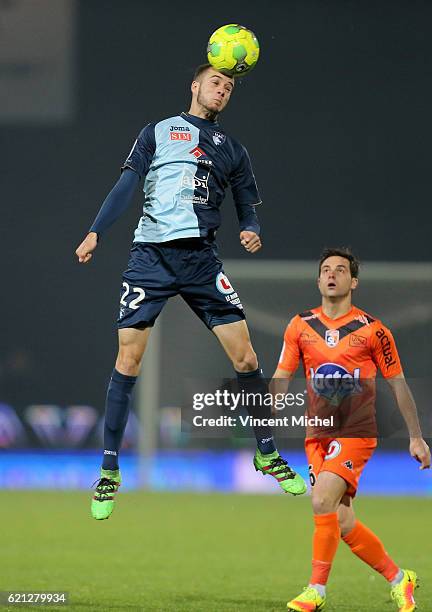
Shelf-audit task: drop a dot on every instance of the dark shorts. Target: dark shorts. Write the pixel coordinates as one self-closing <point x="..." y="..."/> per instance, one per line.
<point x="189" y="268"/>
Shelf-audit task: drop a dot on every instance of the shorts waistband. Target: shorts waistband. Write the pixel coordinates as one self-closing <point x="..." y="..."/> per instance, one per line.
<point x="181" y="243"/>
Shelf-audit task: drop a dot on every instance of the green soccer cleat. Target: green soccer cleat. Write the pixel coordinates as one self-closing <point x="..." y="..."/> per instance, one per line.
<point x="277" y="467"/>
<point x="308" y="601"/>
<point x="403" y="592"/>
<point x="103" y="500"/>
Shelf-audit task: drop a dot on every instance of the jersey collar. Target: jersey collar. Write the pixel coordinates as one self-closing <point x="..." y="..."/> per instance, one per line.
<point x="347" y="315"/>
<point x="198" y="122"/>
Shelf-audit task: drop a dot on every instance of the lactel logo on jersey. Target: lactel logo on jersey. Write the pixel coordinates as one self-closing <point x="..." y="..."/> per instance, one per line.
<point x="331" y="378"/>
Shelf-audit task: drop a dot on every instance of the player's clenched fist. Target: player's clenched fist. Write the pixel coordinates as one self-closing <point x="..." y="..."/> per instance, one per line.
<point x="86" y="248"/>
<point x="421" y="452"/>
<point x="251" y="241"/>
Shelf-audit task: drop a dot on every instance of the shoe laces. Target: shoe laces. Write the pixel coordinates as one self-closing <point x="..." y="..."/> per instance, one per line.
<point x="309" y="593"/>
<point x="285" y="469"/>
<point x="105" y="487"/>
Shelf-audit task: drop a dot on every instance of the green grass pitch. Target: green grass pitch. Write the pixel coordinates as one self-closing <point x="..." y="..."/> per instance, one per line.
<point x="208" y="553"/>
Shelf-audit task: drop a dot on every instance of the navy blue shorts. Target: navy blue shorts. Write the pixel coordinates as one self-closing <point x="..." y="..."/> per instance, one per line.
<point x="189" y="268"/>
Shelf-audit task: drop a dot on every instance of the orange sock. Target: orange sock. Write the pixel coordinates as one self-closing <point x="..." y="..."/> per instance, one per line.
<point x="369" y="548"/>
<point x="325" y="542"/>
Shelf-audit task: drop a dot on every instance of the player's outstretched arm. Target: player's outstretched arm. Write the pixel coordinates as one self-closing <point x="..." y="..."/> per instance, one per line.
<point x="113" y="207"/>
<point x="251" y="241"/>
<point x="406" y="404"/>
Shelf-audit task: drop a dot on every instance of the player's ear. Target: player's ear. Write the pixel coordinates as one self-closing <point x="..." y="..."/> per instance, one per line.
<point x="194" y="87"/>
<point x="354" y="283"/>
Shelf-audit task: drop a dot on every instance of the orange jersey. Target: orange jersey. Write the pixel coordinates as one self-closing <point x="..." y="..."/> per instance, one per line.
<point x="340" y="358"/>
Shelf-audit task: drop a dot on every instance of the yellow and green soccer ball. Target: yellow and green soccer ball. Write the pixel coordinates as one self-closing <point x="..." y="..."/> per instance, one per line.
<point x="233" y="50"/>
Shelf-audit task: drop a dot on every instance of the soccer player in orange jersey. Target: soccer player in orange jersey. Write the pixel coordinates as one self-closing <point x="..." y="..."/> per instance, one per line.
<point x="341" y="347"/>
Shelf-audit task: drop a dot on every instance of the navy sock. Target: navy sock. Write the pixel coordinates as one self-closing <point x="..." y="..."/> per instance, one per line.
<point x="116" y="416"/>
<point x="254" y="382"/>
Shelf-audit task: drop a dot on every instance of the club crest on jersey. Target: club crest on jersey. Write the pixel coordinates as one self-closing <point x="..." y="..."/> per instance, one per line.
<point x="224" y="286"/>
<point x="332" y="337"/>
<point x="219" y="138"/>
<point x="333" y="382"/>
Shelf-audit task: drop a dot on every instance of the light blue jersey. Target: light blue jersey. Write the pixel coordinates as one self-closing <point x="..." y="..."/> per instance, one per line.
<point x="188" y="162"/>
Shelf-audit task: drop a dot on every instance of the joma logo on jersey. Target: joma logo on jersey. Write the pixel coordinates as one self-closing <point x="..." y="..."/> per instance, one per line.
<point x="386" y="347"/>
<point x="181" y="136"/>
<point x="334" y="382"/>
<point x="179" y="128"/>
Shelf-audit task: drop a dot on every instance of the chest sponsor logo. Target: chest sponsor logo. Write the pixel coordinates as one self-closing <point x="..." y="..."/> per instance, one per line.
<point x="195" y="186"/>
<point x="197" y="153"/>
<point x="224" y="286"/>
<point x="357" y="341"/>
<point x="387" y="347"/>
<point x="179" y="128"/>
<point x="332" y="337"/>
<point x="334" y="382"/>
<point x="181" y="136"/>
<point x="219" y="138"/>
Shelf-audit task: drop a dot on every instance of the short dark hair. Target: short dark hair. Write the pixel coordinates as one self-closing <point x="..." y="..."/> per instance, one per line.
<point x="199" y="70"/>
<point x="203" y="68"/>
<point x="344" y="252"/>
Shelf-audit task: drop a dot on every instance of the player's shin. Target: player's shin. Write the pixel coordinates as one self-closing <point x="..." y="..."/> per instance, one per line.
<point x="369" y="548"/>
<point x="116" y="415"/>
<point x="325" y="542"/>
<point x="253" y="386"/>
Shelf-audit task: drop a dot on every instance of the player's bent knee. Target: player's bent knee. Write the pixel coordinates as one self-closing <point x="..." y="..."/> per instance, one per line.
<point x="323" y="503"/>
<point x="128" y="364"/>
<point x="246" y="362"/>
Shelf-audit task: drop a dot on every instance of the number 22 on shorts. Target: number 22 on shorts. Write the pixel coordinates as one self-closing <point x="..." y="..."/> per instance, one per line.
<point x="134" y="304"/>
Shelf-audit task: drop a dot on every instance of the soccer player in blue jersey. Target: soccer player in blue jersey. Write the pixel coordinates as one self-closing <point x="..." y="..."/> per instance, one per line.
<point x="187" y="161"/>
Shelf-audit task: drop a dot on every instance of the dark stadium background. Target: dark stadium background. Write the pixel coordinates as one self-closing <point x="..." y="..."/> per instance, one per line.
<point x="336" y="117"/>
